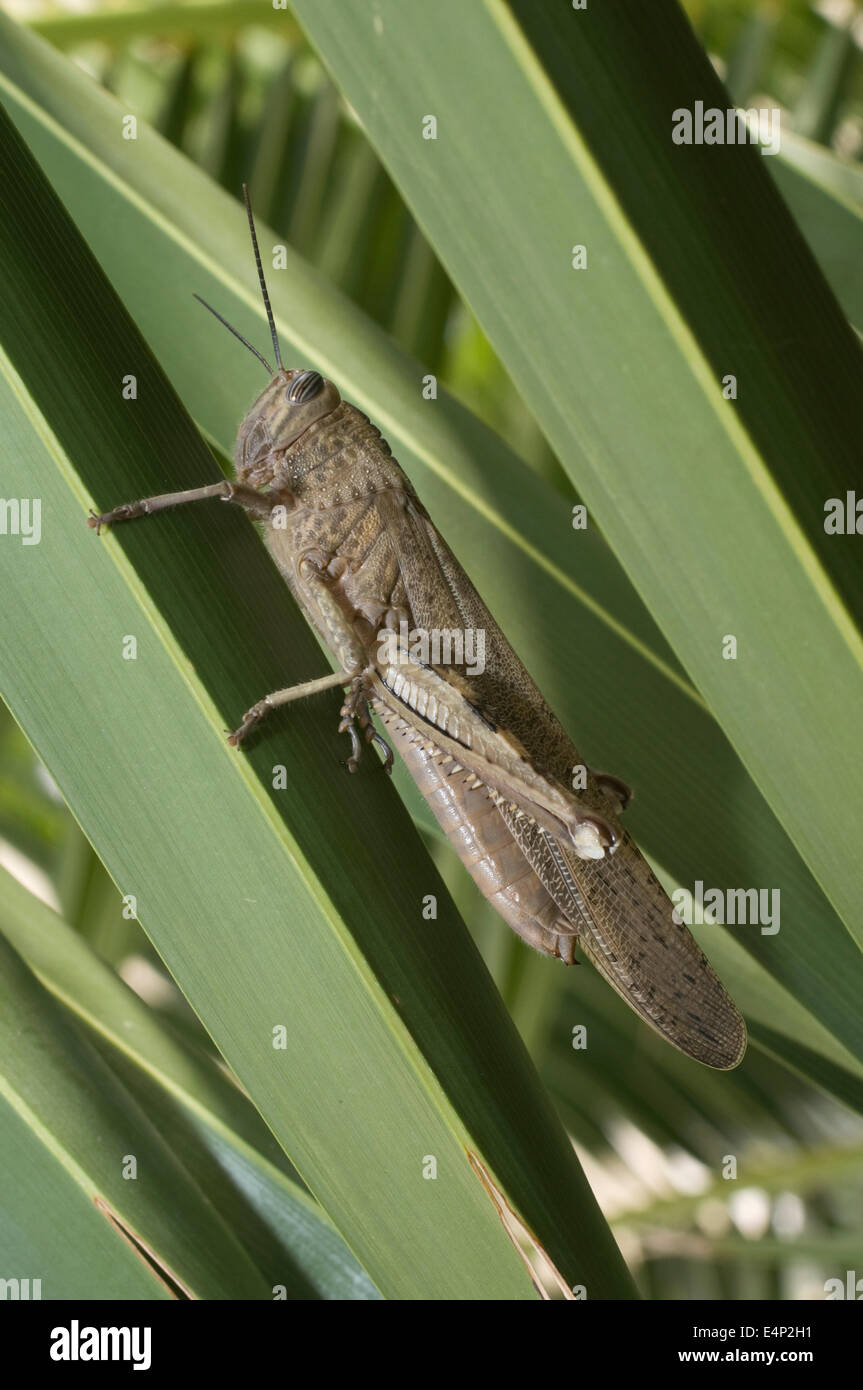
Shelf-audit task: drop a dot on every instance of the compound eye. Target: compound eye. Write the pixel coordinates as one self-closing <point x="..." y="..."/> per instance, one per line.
<point x="304" y="387"/>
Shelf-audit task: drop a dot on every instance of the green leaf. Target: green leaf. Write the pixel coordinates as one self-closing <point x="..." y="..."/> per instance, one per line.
<point x="715" y="506"/>
<point x="825" y="194"/>
<point x="396" y="1047"/>
<point x="201" y="1114"/>
<point x="183" y="21"/>
<point x="839" y="176"/>
<point x="566" y="603"/>
<point x="517" y="543"/>
<point x="70" y="1134"/>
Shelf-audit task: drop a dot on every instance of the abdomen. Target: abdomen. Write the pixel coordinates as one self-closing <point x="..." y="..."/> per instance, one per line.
<point x="476" y="830"/>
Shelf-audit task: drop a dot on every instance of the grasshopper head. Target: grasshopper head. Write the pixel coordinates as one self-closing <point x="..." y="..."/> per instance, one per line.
<point x="294" y="400"/>
<point x="291" y="404"/>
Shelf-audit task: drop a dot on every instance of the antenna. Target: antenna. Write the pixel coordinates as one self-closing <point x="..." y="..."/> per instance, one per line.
<point x="263" y="282"/>
<point x="233" y="330"/>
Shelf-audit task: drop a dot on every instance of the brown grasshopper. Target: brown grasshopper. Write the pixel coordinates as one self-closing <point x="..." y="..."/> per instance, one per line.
<point x="370" y="571"/>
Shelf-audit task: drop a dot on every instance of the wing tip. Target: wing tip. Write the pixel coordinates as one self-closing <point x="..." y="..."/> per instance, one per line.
<point x="736" y="1042"/>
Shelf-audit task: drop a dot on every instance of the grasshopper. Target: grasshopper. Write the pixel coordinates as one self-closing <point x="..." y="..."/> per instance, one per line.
<point x="369" y="570"/>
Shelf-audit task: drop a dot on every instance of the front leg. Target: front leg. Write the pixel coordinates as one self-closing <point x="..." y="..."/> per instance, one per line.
<point x="256" y="503"/>
<point x="284" y="697"/>
<point x="322" y="605"/>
